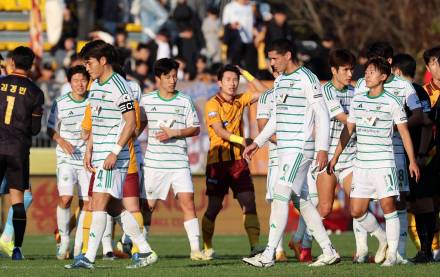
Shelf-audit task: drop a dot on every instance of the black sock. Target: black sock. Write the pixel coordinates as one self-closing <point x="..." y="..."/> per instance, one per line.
<point x="430" y="229"/>
<point x="19" y="223"/>
<point x="421" y="231"/>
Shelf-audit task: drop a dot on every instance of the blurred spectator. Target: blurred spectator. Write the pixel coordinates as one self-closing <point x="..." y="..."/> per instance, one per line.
<point x="152" y="16"/>
<point x="86" y="18"/>
<point x="163" y="45"/>
<point x="182" y="74"/>
<point x="70" y="24"/>
<point x="318" y="63"/>
<point x="54" y="22"/>
<point x="359" y="69"/>
<point x="124" y="50"/>
<point x="188" y="49"/>
<point x="142" y="75"/>
<point x="238" y="20"/>
<point x="110" y="14"/>
<point x="277" y="27"/>
<point x="211" y="28"/>
<point x="202" y="69"/>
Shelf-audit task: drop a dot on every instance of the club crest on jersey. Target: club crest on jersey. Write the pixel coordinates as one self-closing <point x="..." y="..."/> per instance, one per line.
<point x="103" y="96"/>
<point x="177" y="110"/>
<point x="396" y="92"/>
<point x="292" y="83"/>
<point x="378" y="108"/>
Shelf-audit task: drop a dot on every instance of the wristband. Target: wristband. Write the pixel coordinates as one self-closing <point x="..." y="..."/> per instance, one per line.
<point x="116" y="149"/>
<point x="236" y="139"/>
<point x="247" y="76"/>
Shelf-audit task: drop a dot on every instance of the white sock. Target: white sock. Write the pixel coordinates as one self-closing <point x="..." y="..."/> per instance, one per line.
<point x="392" y="232"/>
<point x="361" y="237"/>
<point x="63" y="218"/>
<point x="278" y="219"/>
<point x="131" y="228"/>
<point x="78" y="234"/>
<point x="403" y="219"/>
<point x="193" y="232"/>
<point x="280" y="245"/>
<point x="307" y="239"/>
<point x="107" y="236"/>
<point x="314" y="223"/>
<point x="99" y="221"/>
<point x="300" y="230"/>
<point x="370" y="224"/>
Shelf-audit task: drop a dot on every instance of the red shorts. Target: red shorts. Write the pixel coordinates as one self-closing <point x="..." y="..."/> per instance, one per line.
<point x="130" y="188"/>
<point x="231" y="174"/>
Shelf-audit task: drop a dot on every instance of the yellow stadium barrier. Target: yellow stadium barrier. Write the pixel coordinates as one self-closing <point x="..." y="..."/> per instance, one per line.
<point x="43" y="161"/>
<point x="135" y="28"/>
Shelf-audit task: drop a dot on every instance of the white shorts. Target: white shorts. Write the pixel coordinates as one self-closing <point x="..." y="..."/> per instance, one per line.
<point x="157" y="183"/>
<point x="402" y="173"/>
<point x="374" y="183"/>
<point x="292" y="171"/>
<point x="272" y="178"/>
<point x="109" y="181"/>
<point x="69" y="176"/>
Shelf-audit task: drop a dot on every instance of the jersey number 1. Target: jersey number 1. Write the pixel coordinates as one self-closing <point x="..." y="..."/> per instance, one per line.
<point x="9" y="109"/>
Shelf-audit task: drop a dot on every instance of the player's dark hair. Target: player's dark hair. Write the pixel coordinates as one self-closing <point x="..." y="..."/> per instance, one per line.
<point x="79" y="69"/>
<point x="382" y="65"/>
<point x="380" y="49"/>
<point x="341" y="57"/>
<point x="406" y="63"/>
<point x="431" y="53"/>
<point x="225" y="68"/>
<point x="98" y="49"/>
<point x="164" y="66"/>
<point x="23" y="57"/>
<point x="282" y="46"/>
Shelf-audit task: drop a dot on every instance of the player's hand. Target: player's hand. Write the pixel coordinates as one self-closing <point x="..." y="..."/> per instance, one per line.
<point x="166" y="133"/>
<point x="66" y="146"/>
<point x="249" y="151"/>
<point x="331" y="165"/>
<point x="110" y="161"/>
<point x="321" y="159"/>
<point x="88" y="161"/>
<point x="414" y="171"/>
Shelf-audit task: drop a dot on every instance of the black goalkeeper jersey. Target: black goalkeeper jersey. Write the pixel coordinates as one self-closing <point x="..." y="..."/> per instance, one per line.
<point x="20" y="101"/>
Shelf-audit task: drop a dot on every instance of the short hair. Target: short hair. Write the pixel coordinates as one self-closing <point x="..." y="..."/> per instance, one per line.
<point x="79" y="69"/>
<point x="431" y="53"/>
<point x="203" y="58"/>
<point x="282" y="46"/>
<point x="164" y="66"/>
<point x="341" y="57"/>
<point x="382" y="65"/>
<point x="380" y="49"/>
<point x="406" y="63"/>
<point x="23" y="57"/>
<point x="226" y="68"/>
<point x="98" y="49"/>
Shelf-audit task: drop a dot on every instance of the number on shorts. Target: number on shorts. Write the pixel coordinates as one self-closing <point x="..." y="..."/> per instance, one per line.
<point x="99" y="177"/>
<point x="401" y="175"/>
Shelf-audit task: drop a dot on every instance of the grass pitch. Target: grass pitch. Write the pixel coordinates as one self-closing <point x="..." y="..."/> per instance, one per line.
<point x="173" y="254"/>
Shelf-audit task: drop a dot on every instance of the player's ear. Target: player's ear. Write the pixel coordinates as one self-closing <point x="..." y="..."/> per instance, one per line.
<point x="103" y="60"/>
<point x="334" y="70"/>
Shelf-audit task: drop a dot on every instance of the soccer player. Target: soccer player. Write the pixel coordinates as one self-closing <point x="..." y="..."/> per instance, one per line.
<point x="420" y="197"/>
<point x="21" y="107"/>
<point x="299" y="109"/>
<point x="373" y="115"/>
<point x="264" y="111"/>
<point x="171" y="118"/>
<point x="338" y="94"/>
<point x="108" y="152"/>
<point x="226" y="167"/>
<point x="406" y="93"/>
<point x="432" y="63"/>
<point x="64" y="127"/>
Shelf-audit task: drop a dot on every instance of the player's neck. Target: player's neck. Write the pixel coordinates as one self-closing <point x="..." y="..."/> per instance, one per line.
<point x="166" y="94"/>
<point x="291" y="67"/>
<point x="18" y="71"/>
<point x="106" y="74"/>
<point x="77" y="97"/>
<point x="338" y="85"/>
<point x="226" y="97"/>
<point x="376" y="91"/>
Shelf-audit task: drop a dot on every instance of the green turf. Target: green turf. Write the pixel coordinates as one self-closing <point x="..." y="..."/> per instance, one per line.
<point x="173" y="261"/>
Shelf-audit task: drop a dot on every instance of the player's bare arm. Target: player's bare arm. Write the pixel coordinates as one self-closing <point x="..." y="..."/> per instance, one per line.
<point x="407" y="143"/>
<point x="168" y="133"/>
<point x="346" y="134"/>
